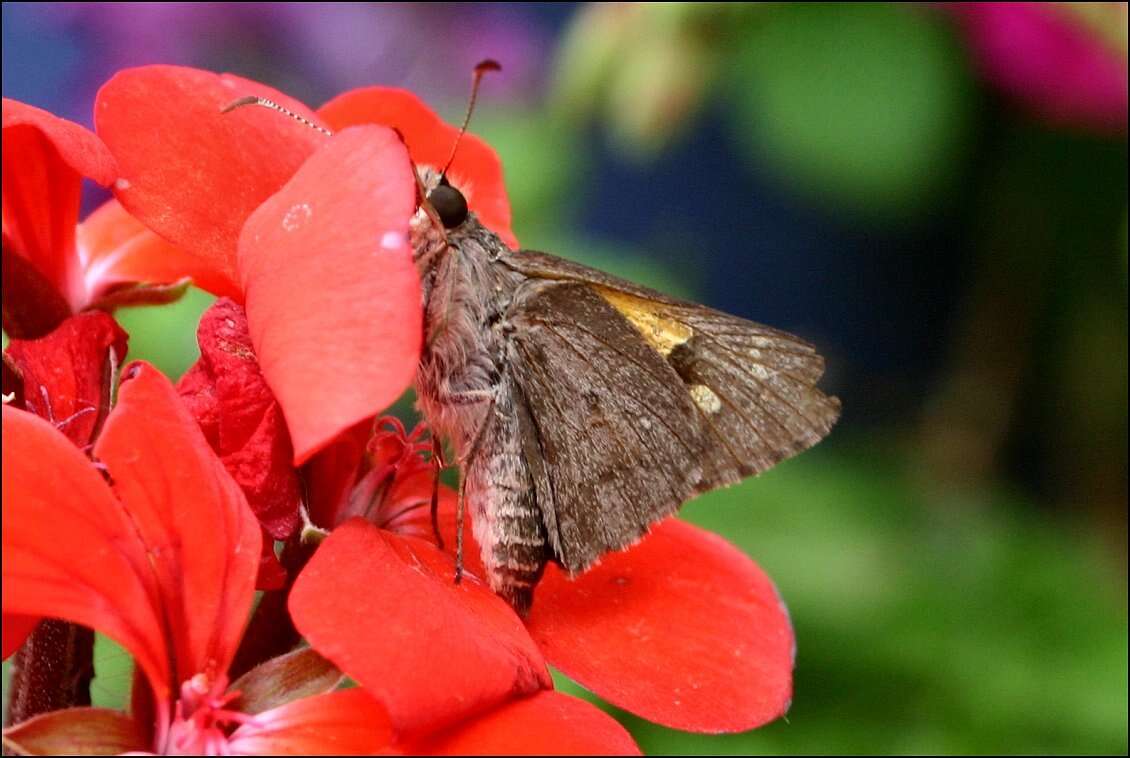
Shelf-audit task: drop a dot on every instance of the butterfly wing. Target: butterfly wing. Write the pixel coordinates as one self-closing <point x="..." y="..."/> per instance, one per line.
<point x="634" y="402"/>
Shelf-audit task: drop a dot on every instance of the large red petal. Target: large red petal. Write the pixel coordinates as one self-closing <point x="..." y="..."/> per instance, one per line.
<point x="69" y="550"/>
<point x="476" y="169"/>
<point x="226" y="392"/>
<point x="386" y="610"/>
<point x="202" y="539"/>
<point x="549" y="723"/>
<point x="348" y="722"/>
<point x="683" y="629"/>
<point x="45" y="158"/>
<point x="190" y="172"/>
<point x="333" y="297"/>
<point x="66" y="376"/>
<point x="115" y="248"/>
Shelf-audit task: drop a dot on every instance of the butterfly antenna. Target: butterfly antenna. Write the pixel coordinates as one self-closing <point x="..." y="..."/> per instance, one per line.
<point x="481" y="68"/>
<point x="264" y="102"/>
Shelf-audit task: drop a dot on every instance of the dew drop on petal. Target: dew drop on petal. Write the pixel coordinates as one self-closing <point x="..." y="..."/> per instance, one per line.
<point x="298" y="215"/>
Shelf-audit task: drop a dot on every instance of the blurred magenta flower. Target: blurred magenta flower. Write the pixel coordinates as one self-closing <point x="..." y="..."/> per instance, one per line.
<point x="1066" y="63"/>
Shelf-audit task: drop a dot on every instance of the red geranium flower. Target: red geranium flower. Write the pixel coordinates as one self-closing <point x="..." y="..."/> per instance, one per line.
<point x="53" y="268"/>
<point x="683" y="629"/>
<point x="163" y="560"/>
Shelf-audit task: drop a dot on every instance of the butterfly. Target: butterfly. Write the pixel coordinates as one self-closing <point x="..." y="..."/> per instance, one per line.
<point x="584" y="408"/>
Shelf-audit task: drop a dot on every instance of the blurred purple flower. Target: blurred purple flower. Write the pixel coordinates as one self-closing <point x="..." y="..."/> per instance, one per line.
<point x="311" y="51"/>
<point x="1067" y="64"/>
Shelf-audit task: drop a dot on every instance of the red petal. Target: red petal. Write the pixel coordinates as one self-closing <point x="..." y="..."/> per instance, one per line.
<point x="333" y="297"/>
<point x="76" y="731"/>
<point x="70" y="551"/>
<point x="548" y="723"/>
<point x="683" y="630"/>
<point x="433" y="651"/>
<point x="202" y="539"/>
<point x="229" y="397"/>
<point x="66" y="375"/>
<point x="16" y="630"/>
<point x="189" y="172"/>
<point x="476" y="170"/>
<point x="116" y="248"/>
<point x="348" y="722"/>
<point x="45" y="158"/>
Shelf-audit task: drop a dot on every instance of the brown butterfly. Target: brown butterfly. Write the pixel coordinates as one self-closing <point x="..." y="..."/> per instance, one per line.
<point x="584" y="408"/>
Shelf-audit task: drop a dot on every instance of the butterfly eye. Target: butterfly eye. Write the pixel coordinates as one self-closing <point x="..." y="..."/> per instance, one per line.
<point x="449" y="204"/>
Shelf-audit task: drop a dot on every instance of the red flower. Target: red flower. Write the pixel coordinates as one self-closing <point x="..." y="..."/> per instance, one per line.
<point x="51" y="267"/>
<point x="683" y="629"/>
<point x="164" y="563"/>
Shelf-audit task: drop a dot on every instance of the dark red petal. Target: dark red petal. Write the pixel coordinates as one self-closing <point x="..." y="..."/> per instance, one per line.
<point x="348" y="722"/>
<point x="201" y="537"/>
<point x="33" y="303"/>
<point x="77" y="731"/>
<point x="548" y="723"/>
<point x="283" y="679"/>
<point x="45" y="158"/>
<point x="333" y="297"/>
<point x="241" y="419"/>
<point x="118" y="249"/>
<point x="476" y="170"/>
<point x="16" y="630"/>
<point x="67" y="374"/>
<point x="189" y="172"/>
<point x="683" y="629"/>
<point x="70" y="551"/>
<point x="332" y="472"/>
<point x="386" y="610"/>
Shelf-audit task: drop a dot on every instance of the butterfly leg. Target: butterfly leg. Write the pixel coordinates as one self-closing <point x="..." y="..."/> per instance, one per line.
<point x="438" y="465"/>
<point x="465" y="461"/>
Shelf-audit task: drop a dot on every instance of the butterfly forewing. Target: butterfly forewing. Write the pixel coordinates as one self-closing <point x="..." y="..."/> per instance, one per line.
<point x="637" y="401"/>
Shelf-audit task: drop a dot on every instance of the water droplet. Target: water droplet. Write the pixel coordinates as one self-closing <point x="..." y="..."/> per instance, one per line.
<point x="121" y="185"/>
<point x="298" y="215"/>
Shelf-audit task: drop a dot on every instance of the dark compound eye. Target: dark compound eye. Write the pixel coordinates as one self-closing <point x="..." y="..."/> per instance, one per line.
<point x="449" y="204"/>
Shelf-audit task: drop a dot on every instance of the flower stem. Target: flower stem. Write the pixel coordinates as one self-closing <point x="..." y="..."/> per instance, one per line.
<point x="52" y="670"/>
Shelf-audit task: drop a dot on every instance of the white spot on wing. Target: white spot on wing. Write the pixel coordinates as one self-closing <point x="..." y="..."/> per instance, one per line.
<point x="297" y="217"/>
<point x="705" y="398"/>
<point x="121" y="185"/>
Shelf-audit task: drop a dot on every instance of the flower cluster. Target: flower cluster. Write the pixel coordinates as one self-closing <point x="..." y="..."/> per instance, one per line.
<point x="152" y="512"/>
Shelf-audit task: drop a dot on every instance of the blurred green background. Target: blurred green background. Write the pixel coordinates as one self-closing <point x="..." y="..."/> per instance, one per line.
<point x="935" y="195"/>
